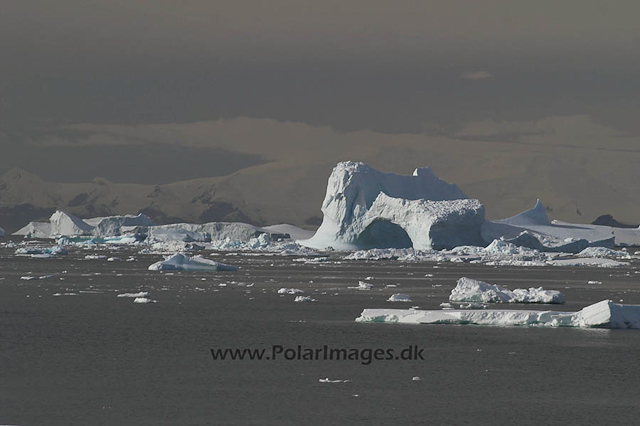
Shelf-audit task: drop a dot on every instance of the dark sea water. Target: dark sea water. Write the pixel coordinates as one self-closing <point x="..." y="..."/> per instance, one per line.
<point x="92" y="358"/>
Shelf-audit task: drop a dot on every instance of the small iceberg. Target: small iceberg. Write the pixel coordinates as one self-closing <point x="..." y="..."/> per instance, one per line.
<point x="470" y="290"/>
<point x="304" y="299"/>
<point x="144" y="300"/>
<point x="180" y="262"/>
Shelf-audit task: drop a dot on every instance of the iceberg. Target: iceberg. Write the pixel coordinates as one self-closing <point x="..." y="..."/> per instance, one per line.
<point x="533" y="229"/>
<point x="470" y="290"/>
<point x="66" y="224"/>
<point x="2" y="233"/>
<point x="604" y="314"/>
<point x="364" y="208"/>
<point x="180" y="262"/>
<point x="112" y="226"/>
<point x="35" y="230"/>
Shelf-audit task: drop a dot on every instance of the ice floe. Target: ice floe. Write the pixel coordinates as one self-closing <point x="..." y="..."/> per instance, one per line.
<point x="181" y="262"/>
<point x="40" y="250"/>
<point x="304" y="299"/>
<point x="35" y="277"/>
<point x="285" y="290"/>
<point x="604" y="314"/>
<point x="144" y="300"/>
<point x="362" y="286"/>
<point x="135" y="295"/>
<point x="399" y="297"/>
<point x="470" y="290"/>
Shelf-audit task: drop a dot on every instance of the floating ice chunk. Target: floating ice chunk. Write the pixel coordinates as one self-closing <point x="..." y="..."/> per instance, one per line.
<point x="594" y="282"/>
<point x="284" y="290"/>
<point x="470" y="290"/>
<point x="135" y="295"/>
<point x="41" y="250"/>
<point x="35" y="277"/>
<point x="600" y="263"/>
<point x="114" y="259"/>
<point x="399" y="297"/>
<point x="362" y="286"/>
<point x="304" y="299"/>
<point x="144" y="300"/>
<point x="416" y="378"/>
<point x="604" y="314"/>
<point x="95" y="257"/>
<point x="2" y="233"/>
<point x="180" y="262"/>
<point x="327" y="380"/>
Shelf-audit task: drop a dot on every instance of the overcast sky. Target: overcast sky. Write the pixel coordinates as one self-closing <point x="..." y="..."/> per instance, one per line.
<point x="431" y="67"/>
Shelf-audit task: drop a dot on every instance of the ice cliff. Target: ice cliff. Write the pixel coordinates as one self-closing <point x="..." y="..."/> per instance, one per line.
<point x="365" y="208"/>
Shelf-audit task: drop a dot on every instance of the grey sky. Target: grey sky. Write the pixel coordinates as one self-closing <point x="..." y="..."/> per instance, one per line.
<point x="391" y="67"/>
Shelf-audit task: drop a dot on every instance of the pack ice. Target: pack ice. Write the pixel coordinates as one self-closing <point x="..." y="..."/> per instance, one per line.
<point x="604" y="314"/>
<point x="364" y="208"/>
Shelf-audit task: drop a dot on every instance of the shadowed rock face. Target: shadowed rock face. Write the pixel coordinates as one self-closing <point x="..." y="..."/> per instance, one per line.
<point x="608" y="220"/>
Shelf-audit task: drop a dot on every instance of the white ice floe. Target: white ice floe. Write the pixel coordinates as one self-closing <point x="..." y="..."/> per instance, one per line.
<point x="365" y="208"/>
<point x="40" y="250"/>
<point x="362" y="286"/>
<point x="604" y="314"/>
<point x="399" y="297"/>
<point x="135" y="295"/>
<point x="285" y="290"/>
<point x="181" y="262"/>
<point x="304" y="299"/>
<point x="470" y="290"/>
<point x="96" y="257"/>
<point x="35" y="277"/>
<point x="144" y="300"/>
<point x="328" y="380"/>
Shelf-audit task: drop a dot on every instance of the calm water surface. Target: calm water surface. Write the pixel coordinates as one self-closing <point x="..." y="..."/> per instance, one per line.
<point x="87" y="357"/>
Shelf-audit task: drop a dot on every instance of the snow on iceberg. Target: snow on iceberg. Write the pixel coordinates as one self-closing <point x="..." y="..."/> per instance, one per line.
<point x="364" y="208"/>
<point x="604" y="314"/>
<point x="470" y="290"/>
<point x="35" y="230"/>
<point x="180" y="262"/>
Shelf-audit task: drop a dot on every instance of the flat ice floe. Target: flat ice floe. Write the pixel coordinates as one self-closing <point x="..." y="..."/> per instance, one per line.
<point x="604" y="314"/>
<point x="181" y="262"/>
<point x="470" y="290"/>
<point x="399" y="297"/>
